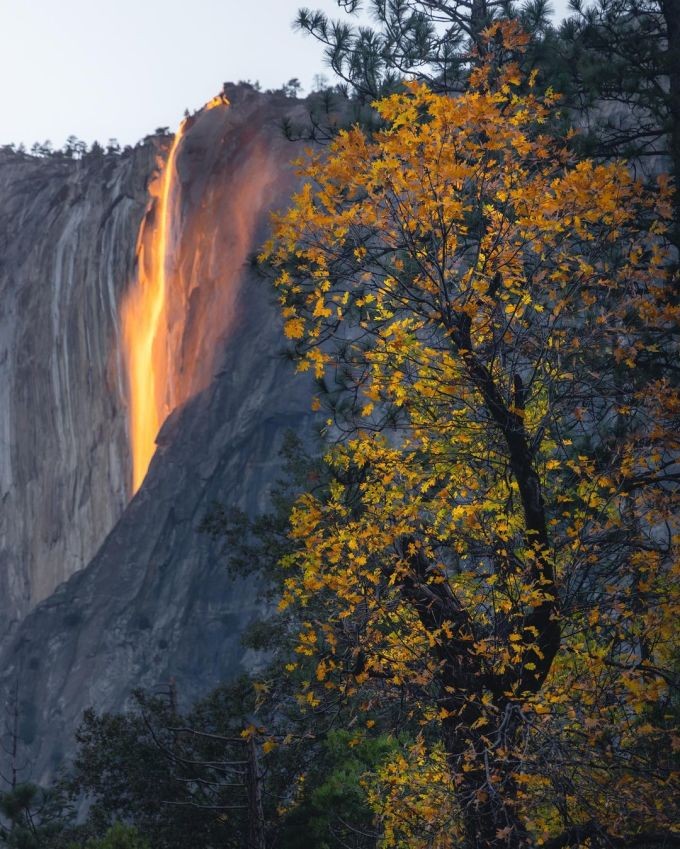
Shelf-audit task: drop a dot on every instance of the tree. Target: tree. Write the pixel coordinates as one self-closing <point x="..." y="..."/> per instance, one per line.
<point x="332" y="809"/>
<point x="292" y="88"/>
<point x="411" y="38"/>
<point x="621" y="66"/>
<point x="10" y="740"/>
<point x="496" y="552"/>
<point x="169" y="775"/>
<point x="38" y="818"/>
<point x="30" y="816"/>
<point x="436" y="42"/>
<point x="617" y="62"/>
<point x="425" y="40"/>
<point x="181" y="779"/>
<point x="75" y="148"/>
<point x="119" y="836"/>
<point x="44" y="149"/>
<point x="320" y="82"/>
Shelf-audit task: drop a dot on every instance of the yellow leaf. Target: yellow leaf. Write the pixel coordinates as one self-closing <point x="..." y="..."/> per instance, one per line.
<point x="294" y="328"/>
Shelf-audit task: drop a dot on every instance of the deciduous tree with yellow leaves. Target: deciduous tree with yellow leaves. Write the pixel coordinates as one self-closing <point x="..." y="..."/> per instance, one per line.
<point x="496" y="556"/>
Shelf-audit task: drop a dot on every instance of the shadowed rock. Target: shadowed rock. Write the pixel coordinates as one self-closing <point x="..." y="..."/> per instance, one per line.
<point x="155" y="601"/>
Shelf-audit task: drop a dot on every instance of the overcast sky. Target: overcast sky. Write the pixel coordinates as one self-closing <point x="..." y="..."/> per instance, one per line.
<point x="99" y="69"/>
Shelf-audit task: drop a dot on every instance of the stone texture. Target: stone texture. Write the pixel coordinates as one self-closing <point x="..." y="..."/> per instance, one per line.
<point x="156" y="600"/>
<point x="67" y="245"/>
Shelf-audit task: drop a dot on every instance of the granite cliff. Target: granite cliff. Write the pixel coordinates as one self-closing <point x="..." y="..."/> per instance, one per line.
<point x="100" y="594"/>
<point x="67" y="247"/>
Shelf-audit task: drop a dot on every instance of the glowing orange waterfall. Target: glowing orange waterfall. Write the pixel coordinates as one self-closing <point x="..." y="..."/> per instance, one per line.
<point x="145" y="328"/>
<point x="180" y="309"/>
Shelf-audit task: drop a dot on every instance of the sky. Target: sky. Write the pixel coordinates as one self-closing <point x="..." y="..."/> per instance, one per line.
<point x="101" y="69"/>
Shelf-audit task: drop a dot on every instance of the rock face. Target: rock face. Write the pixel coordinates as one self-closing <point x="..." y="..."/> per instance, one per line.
<point x="67" y="246"/>
<point x="155" y="601"/>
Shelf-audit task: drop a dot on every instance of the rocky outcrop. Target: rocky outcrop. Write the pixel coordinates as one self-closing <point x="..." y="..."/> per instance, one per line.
<point x="156" y="601"/>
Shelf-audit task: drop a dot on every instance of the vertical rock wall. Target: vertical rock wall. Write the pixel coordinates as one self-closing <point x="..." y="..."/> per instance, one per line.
<point x="67" y="246"/>
<point x="156" y="600"/>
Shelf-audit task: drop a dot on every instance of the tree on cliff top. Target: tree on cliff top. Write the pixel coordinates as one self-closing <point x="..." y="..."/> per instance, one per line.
<point x="496" y="555"/>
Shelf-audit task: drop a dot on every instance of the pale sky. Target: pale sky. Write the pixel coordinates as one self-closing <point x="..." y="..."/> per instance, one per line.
<point x="99" y="69"/>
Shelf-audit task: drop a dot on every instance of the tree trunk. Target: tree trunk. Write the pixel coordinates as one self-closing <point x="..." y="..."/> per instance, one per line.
<point x="256" y="837"/>
<point x="485" y="786"/>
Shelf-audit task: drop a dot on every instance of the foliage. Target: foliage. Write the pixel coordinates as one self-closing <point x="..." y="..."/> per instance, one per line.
<point x="167" y="774"/>
<point x="497" y="549"/>
<point x="152" y="777"/>
<point x="616" y="62"/>
<point x="424" y="40"/>
<point x="616" y="54"/>
<point x="292" y="88"/>
<point x="331" y="808"/>
<point x="620" y="62"/>
<point x="119" y="836"/>
<point x="36" y="818"/>
<point x="436" y="42"/>
<point x="180" y="779"/>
